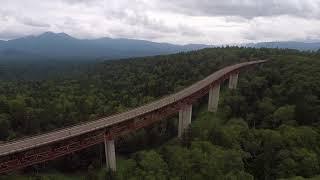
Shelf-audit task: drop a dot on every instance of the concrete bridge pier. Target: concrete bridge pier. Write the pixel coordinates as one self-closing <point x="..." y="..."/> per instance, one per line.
<point x="213" y="101"/>
<point x="233" y="81"/>
<point x="184" y="119"/>
<point x="110" y="154"/>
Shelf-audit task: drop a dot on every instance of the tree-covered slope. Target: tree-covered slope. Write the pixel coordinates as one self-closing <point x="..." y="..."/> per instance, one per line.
<point x="266" y="129"/>
<point x="82" y="92"/>
<point x="303" y="46"/>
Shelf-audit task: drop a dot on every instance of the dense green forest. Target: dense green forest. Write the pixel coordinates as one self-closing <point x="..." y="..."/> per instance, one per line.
<point x="266" y="129"/>
<point x="31" y="105"/>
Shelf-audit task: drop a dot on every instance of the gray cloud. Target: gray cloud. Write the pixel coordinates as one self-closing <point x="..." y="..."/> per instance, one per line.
<point x="32" y="22"/>
<point x="135" y="33"/>
<point x="181" y="21"/>
<point x="134" y="18"/>
<point x="246" y="8"/>
<point x="282" y="28"/>
<point x="87" y="2"/>
<point x="142" y="19"/>
<point x="5" y="35"/>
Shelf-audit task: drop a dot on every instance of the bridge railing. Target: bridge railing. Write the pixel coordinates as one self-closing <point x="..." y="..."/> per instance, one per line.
<point x="149" y="107"/>
<point x="81" y="123"/>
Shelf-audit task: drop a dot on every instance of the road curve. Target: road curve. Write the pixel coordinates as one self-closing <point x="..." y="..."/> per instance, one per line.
<point x="55" y="136"/>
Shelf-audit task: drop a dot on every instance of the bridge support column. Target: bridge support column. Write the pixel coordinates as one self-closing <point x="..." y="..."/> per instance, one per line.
<point x="213" y="101"/>
<point x="233" y="81"/>
<point x="184" y="119"/>
<point x="110" y="154"/>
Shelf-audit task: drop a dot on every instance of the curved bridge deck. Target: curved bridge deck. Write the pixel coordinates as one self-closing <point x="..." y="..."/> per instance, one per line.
<point x="78" y="130"/>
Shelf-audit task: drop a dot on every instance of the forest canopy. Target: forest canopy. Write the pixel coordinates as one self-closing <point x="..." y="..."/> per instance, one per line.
<point x="268" y="128"/>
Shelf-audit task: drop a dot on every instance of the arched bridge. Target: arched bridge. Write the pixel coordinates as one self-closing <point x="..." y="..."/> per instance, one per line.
<point x="25" y="152"/>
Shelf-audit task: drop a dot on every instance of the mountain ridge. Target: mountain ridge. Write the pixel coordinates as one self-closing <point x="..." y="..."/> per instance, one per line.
<point x="62" y="46"/>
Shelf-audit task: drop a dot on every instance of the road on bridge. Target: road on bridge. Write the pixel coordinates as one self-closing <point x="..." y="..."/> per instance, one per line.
<point x="39" y="148"/>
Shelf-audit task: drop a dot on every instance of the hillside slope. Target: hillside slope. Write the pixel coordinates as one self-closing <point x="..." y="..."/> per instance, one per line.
<point x="62" y="46"/>
<point x="304" y="46"/>
<point x="268" y="128"/>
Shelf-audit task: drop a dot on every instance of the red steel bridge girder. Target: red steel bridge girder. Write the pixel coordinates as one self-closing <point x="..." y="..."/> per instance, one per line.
<point x="54" y="150"/>
<point x="68" y="146"/>
<point x="49" y="152"/>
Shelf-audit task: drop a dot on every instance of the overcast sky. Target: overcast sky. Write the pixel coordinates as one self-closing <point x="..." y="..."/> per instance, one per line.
<point x="174" y="21"/>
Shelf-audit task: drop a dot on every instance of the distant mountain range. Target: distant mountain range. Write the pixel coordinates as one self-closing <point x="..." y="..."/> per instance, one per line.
<point x="303" y="46"/>
<point x="62" y="46"/>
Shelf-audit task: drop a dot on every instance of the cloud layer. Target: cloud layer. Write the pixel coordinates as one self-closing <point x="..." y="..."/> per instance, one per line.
<point x="248" y="8"/>
<point x="181" y="21"/>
